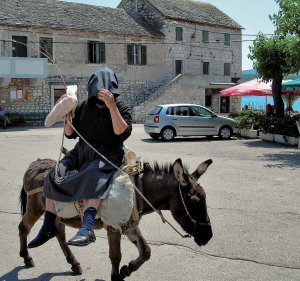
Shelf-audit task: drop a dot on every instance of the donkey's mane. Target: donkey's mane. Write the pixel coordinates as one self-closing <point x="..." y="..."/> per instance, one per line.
<point x="160" y="168"/>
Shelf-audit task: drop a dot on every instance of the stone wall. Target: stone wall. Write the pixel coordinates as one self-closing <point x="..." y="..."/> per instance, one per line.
<point x="183" y="89"/>
<point x="137" y="82"/>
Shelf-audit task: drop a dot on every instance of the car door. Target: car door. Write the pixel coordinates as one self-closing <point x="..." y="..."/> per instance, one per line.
<point x="203" y="121"/>
<point x="183" y="121"/>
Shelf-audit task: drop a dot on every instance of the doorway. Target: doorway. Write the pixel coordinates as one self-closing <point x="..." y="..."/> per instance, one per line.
<point x="225" y="105"/>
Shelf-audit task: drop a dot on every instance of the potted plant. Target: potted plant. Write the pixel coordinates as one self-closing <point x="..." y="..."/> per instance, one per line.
<point x="248" y="121"/>
<point x="280" y="130"/>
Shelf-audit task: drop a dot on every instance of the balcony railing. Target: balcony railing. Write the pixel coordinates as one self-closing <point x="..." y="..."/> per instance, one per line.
<point x="16" y="67"/>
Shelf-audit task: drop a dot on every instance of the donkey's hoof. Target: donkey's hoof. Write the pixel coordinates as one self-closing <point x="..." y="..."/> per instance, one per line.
<point x="29" y="262"/>
<point x="77" y="270"/>
<point x="124" y="272"/>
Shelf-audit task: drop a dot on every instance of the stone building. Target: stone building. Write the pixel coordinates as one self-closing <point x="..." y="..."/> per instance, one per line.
<point x="161" y="50"/>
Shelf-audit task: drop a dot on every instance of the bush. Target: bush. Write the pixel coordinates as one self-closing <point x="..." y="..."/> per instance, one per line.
<point x="283" y="126"/>
<point x="247" y="119"/>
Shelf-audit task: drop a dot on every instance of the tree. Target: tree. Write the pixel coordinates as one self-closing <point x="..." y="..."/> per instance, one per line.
<point x="273" y="58"/>
<point x="287" y="20"/>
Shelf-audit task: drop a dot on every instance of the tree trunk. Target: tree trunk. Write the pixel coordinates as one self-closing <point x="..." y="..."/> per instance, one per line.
<point x="276" y="92"/>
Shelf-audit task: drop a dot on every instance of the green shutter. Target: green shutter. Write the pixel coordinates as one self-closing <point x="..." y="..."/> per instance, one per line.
<point x="102" y="52"/>
<point x="143" y="55"/>
<point x="205" y="36"/>
<point x="130" y="54"/>
<point x="227" y="70"/>
<point x="227" y="39"/>
<point x="46" y="48"/>
<point x="178" y="33"/>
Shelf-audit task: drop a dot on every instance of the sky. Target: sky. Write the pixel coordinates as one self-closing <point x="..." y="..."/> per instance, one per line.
<point x="252" y="15"/>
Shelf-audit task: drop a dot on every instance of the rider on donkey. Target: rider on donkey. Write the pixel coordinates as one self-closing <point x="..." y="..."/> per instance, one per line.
<point x="105" y="122"/>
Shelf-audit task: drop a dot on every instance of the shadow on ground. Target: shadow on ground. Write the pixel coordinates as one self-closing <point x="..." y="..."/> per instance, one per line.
<point x="289" y="157"/>
<point x="13" y="275"/>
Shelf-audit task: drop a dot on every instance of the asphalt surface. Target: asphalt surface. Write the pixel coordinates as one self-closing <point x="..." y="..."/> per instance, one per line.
<point x="253" y="197"/>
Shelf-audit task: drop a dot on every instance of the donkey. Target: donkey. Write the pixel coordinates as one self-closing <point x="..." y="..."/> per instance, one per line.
<point x="166" y="187"/>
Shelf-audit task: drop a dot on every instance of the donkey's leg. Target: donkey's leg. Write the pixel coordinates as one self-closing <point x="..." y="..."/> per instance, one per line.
<point x="135" y="236"/>
<point x="61" y="237"/>
<point x="34" y="210"/>
<point x="114" y="242"/>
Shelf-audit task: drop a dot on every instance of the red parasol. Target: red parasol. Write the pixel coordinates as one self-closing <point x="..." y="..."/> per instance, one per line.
<point x="253" y="87"/>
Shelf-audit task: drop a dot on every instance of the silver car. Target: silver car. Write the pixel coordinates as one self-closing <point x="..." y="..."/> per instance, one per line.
<point x="170" y="120"/>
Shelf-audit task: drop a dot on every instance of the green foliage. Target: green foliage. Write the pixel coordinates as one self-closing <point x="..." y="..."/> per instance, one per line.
<point x="247" y="119"/>
<point x="287" y="20"/>
<point x="283" y="126"/>
<point x="274" y="57"/>
<point x="256" y="120"/>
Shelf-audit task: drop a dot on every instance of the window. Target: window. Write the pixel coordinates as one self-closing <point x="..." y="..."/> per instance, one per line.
<point x="19" y="46"/>
<point x="181" y="111"/>
<point x="178" y="67"/>
<point x="178" y="33"/>
<point x="46" y="48"/>
<point x="206" y="68"/>
<point x="96" y="52"/>
<point x="227" y="71"/>
<point x="136" y="54"/>
<point x="170" y="111"/>
<point x="200" y="111"/>
<point x="205" y="36"/>
<point x="227" y="39"/>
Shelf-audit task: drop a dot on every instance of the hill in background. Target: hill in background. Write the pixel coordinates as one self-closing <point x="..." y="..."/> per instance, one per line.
<point x="251" y="74"/>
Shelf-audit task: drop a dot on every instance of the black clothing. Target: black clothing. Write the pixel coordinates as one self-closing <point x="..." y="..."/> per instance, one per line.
<point x="103" y="78"/>
<point x="85" y="175"/>
<point x="95" y="124"/>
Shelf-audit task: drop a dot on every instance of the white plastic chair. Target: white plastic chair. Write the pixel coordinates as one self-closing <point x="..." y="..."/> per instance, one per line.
<point x="298" y="125"/>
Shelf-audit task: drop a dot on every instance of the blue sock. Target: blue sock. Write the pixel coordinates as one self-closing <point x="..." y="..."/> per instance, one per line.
<point x="88" y="221"/>
<point x="49" y="218"/>
<point x="49" y="222"/>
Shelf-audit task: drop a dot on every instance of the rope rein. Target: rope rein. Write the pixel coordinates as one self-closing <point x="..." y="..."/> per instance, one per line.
<point x="164" y="220"/>
<point x="184" y="205"/>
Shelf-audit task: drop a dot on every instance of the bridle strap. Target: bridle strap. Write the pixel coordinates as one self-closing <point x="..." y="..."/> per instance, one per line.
<point x="184" y="205"/>
<point x="188" y="213"/>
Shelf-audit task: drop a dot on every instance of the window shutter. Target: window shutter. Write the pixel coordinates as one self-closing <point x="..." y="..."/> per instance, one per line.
<point x="143" y="55"/>
<point x="227" y="70"/>
<point x="102" y="53"/>
<point x="178" y="33"/>
<point x="227" y="39"/>
<point x="46" y="48"/>
<point x="205" y="36"/>
<point x="130" y="54"/>
<point x="206" y="68"/>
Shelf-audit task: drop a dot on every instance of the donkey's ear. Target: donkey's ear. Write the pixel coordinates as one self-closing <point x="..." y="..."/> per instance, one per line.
<point x="179" y="172"/>
<point x="201" y="169"/>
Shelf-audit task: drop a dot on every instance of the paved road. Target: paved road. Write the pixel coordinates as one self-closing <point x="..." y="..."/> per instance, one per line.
<point x="253" y="196"/>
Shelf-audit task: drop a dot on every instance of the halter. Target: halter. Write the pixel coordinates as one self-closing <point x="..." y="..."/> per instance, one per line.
<point x="207" y="223"/>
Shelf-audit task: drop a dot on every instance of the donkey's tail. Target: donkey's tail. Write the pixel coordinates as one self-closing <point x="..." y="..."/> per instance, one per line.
<point x="23" y="200"/>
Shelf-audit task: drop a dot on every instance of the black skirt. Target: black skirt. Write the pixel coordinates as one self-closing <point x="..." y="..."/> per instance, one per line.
<point x="83" y="174"/>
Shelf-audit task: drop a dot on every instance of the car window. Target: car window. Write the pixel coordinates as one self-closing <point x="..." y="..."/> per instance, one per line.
<point x="200" y="111"/>
<point x="182" y="110"/>
<point x="155" y="110"/>
<point x="170" y="110"/>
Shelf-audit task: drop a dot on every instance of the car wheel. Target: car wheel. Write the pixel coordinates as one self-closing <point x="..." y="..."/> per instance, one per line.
<point x="155" y="137"/>
<point x="167" y="134"/>
<point x="225" y="133"/>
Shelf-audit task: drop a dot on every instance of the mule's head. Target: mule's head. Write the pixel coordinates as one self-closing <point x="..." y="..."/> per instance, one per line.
<point x="191" y="212"/>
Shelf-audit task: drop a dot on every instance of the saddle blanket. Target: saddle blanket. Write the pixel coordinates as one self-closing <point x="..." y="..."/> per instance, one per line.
<point x="114" y="211"/>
